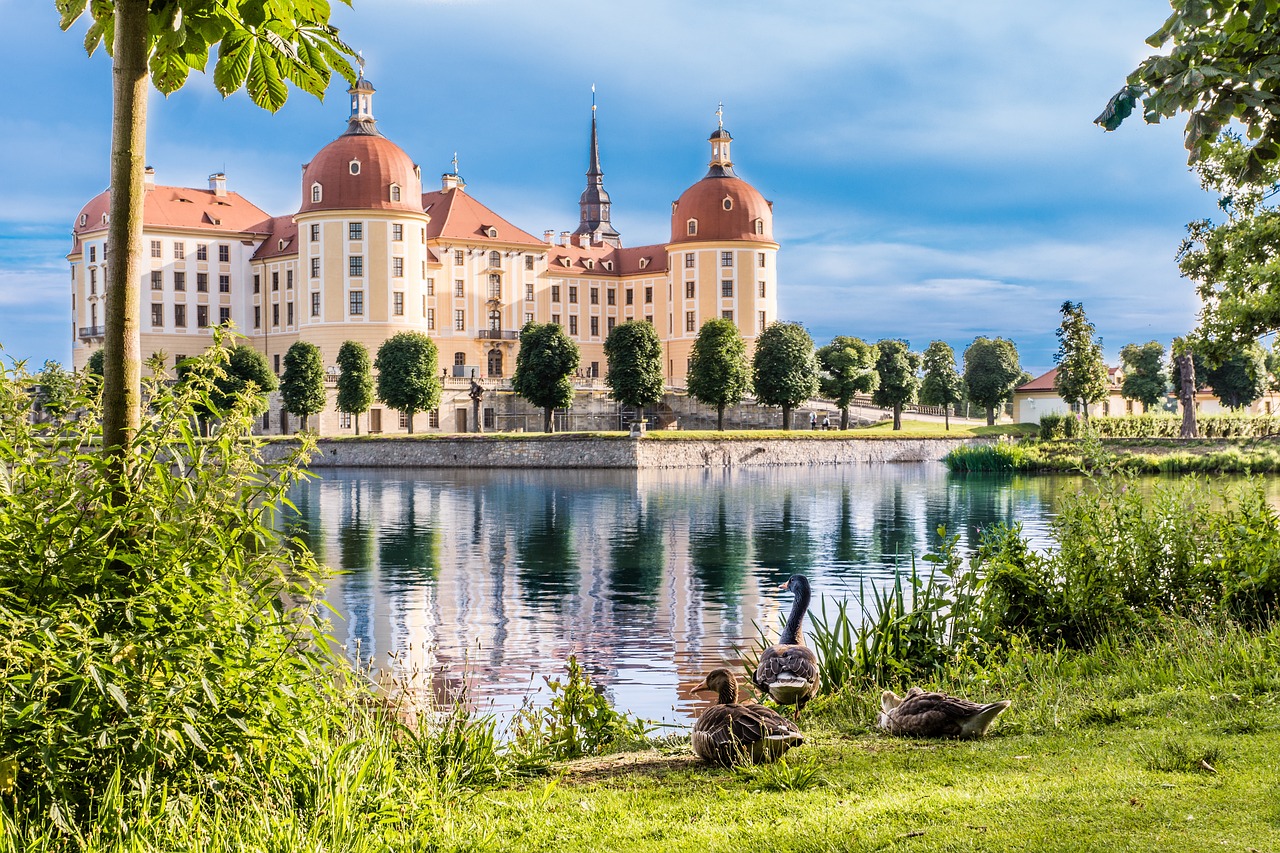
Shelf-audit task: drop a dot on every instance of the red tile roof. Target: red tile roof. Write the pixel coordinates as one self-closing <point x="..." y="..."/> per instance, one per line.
<point x="705" y="201"/>
<point x="381" y="164"/>
<point x="176" y="207"/>
<point x="454" y="214"/>
<point x="278" y="228"/>
<point x="633" y="261"/>
<point x="1045" y="381"/>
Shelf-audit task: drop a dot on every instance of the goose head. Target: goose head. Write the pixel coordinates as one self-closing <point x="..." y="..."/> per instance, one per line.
<point x="723" y="682"/>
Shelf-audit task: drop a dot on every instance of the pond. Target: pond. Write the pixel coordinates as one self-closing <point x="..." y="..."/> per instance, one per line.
<point x="488" y="580"/>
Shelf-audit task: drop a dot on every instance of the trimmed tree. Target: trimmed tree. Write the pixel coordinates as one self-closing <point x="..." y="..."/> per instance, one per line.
<point x="942" y="384"/>
<point x="898" y="367"/>
<point x="355" y="380"/>
<point x="991" y="372"/>
<point x="56" y="388"/>
<point x="245" y="371"/>
<point x="302" y="385"/>
<point x="408" y="379"/>
<point x="546" y="360"/>
<point x="634" y="356"/>
<point x="262" y="47"/>
<point x="848" y="367"/>
<point x="1082" y="374"/>
<point x="784" y="370"/>
<point x="718" y="372"/>
<point x="1144" y="378"/>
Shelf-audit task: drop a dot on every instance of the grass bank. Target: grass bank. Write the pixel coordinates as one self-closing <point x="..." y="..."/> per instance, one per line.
<point x="1140" y="456"/>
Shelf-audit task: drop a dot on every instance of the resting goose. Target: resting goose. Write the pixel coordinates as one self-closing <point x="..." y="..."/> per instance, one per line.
<point x="731" y="733"/>
<point x="924" y="714"/>
<point x="788" y="670"/>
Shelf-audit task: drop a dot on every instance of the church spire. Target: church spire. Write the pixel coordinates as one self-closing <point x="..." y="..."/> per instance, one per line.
<point x="593" y="204"/>
<point x="721" y="164"/>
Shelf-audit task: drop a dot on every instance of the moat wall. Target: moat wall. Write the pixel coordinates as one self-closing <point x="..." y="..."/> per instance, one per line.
<point x="608" y="452"/>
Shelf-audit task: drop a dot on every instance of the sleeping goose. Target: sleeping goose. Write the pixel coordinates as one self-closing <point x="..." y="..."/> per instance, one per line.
<point x="731" y="733"/>
<point x="924" y="714"/>
<point x="788" y="670"/>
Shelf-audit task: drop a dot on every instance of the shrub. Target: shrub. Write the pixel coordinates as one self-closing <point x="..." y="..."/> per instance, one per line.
<point x="155" y="630"/>
<point x="578" y="721"/>
<point x="998" y="456"/>
<point x="1057" y="426"/>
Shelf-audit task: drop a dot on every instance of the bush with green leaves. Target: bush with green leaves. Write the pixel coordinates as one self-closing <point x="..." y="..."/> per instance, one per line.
<point x="155" y="633"/>
<point x="579" y="721"/>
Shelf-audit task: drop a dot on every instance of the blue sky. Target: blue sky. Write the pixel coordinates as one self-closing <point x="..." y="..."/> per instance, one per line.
<point x="933" y="166"/>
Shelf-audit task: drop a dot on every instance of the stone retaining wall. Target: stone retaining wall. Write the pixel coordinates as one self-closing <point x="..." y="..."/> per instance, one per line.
<point x="621" y="452"/>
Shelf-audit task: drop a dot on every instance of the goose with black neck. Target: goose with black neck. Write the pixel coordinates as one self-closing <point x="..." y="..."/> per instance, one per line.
<point x="788" y="670"/>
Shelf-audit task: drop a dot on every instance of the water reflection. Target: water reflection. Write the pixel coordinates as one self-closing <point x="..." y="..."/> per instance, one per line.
<point x="493" y="578"/>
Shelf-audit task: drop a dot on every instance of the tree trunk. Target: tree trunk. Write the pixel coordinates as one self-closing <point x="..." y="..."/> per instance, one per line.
<point x="946" y="416"/>
<point x="122" y="363"/>
<point x="356" y="417"/>
<point x="897" y="416"/>
<point x="786" y="417"/>
<point x="546" y="419"/>
<point x="304" y="421"/>
<point x="1187" y="395"/>
<point x="844" y="417"/>
<point x="991" y="415"/>
<point x="720" y="417"/>
<point x="409" y="421"/>
<point x="475" y="415"/>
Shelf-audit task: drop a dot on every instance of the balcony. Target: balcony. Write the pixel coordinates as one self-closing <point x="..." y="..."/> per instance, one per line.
<point x="498" y="335"/>
<point x="87" y="332"/>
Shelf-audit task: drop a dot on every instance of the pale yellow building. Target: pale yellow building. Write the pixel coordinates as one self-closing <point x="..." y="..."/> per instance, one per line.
<point x="369" y="253"/>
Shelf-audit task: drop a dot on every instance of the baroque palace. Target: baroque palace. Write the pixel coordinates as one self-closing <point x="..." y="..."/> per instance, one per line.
<point x="369" y="254"/>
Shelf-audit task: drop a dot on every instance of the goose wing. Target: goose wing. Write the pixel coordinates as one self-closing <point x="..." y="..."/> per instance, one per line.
<point x="936" y="714"/>
<point x="786" y="663"/>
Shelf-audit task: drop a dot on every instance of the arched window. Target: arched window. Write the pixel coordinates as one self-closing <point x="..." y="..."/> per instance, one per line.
<point x="354" y="166"/>
<point x="693" y="227"/>
<point x="395" y="192"/>
<point x="759" y="226"/>
<point x="316" y="193"/>
<point x="495" y="259"/>
<point x="84" y="218"/>
<point x="728" y="203"/>
<point x="495" y="320"/>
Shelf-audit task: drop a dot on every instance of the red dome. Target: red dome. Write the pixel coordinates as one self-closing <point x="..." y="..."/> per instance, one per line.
<point x="726" y="208"/>
<point x="379" y="163"/>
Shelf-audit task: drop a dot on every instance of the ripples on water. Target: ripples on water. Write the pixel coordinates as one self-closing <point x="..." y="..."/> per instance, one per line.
<point x="493" y="578"/>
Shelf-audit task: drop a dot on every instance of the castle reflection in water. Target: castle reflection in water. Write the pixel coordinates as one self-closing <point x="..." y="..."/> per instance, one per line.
<point x="491" y="579"/>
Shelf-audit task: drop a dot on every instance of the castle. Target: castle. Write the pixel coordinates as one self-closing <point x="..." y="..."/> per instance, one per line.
<point x="369" y="254"/>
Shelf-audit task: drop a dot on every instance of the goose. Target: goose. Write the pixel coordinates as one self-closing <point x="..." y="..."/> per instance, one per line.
<point x="788" y="670"/>
<point x="936" y="714"/>
<point x="731" y="733"/>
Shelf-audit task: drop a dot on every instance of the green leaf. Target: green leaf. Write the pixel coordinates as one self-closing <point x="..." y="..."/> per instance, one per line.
<point x="266" y="87"/>
<point x="169" y="70"/>
<point x="235" y="56"/>
<point x="194" y="736"/>
<point x="118" y="695"/>
<point x="70" y="11"/>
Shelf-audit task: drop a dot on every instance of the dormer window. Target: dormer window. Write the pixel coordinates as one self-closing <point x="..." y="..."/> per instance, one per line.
<point x="280" y="245"/>
<point x="589" y="263"/>
<point x="491" y="232"/>
<point x="568" y="262"/>
<point x="84" y="219"/>
<point x="354" y="166"/>
<point x="758" y="226"/>
<point x="608" y="265"/>
<point x="644" y="262"/>
<point x="316" y="193"/>
<point x="395" y="192"/>
<point x="692" y="226"/>
<point x="727" y="203"/>
<point x="105" y="218"/>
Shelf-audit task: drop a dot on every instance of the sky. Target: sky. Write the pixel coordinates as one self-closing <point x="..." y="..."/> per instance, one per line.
<point x="933" y="165"/>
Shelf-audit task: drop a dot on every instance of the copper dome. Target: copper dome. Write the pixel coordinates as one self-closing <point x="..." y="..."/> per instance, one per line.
<point x="725" y="208"/>
<point x="379" y="166"/>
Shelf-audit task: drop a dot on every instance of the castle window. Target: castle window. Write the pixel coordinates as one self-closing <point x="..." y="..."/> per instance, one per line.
<point x="760" y="259"/>
<point x="431" y="287"/>
<point x="726" y="315"/>
<point x="84" y="219"/>
<point x="459" y="320"/>
<point x="397" y="267"/>
<point x="397" y="303"/>
<point x="495" y="286"/>
<point x="631" y="296"/>
<point x="595" y="296"/>
<point x="688" y="290"/>
<point x="495" y="258"/>
<point x="690" y="321"/>
<point x="357" y="303"/>
<point x="395" y="192"/>
<point x="759" y="227"/>
<point x="727" y="203"/>
<point x="693" y="227"/>
<point x="459" y="287"/>
<point x="315" y="267"/>
<point x="355" y="266"/>
<point x="431" y="319"/>
<point x="491" y="232"/>
<point x="609" y="265"/>
<point x="315" y="233"/>
<point x="316" y="193"/>
<point x="762" y="290"/>
<point x="528" y="262"/>
<point x="611" y="296"/>
<point x="573" y="324"/>
<point x="761" y="321"/>
<point x="224" y="253"/>
<point x="155" y="248"/>
<point x="224" y="284"/>
<point x="528" y="292"/>
<point x="157" y="314"/>
<point x="315" y="305"/>
<point x="648" y="297"/>
<point x="726" y="289"/>
<point x="397" y="232"/>
<point x="280" y="244"/>
<point x="457" y="256"/>
<point x="688" y="260"/>
<point x="726" y="259"/>
<point x="354" y="166"/>
<point x="355" y="230"/>
<point x="595" y="327"/>
<point x="202" y="252"/>
<point x="179" y="251"/>
<point x="555" y="293"/>
<point x="644" y="262"/>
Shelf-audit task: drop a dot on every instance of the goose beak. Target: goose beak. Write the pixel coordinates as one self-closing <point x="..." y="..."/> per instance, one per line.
<point x="700" y="687"/>
<point x="786" y="585"/>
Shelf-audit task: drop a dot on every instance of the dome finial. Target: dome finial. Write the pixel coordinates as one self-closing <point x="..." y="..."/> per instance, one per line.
<point x="720" y="114"/>
<point x="455" y="162"/>
<point x="361" y="120"/>
<point x="593" y="98"/>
